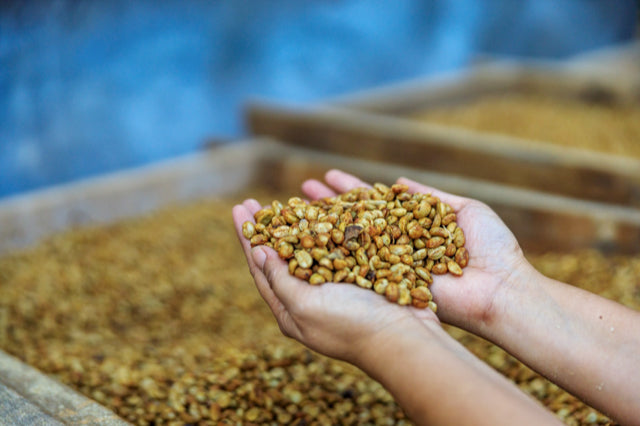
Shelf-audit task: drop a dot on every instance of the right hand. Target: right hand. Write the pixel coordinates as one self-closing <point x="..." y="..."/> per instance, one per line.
<point x="496" y="264"/>
<point x="495" y="255"/>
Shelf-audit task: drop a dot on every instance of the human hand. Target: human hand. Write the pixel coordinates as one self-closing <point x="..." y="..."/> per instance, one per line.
<point x="337" y="319"/>
<point x="402" y="347"/>
<point x="496" y="263"/>
<point x="495" y="256"/>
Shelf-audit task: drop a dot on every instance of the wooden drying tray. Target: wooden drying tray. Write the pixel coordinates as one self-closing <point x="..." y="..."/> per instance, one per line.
<point x="371" y="125"/>
<point x="541" y="222"/>
<point x="537" y="218"/>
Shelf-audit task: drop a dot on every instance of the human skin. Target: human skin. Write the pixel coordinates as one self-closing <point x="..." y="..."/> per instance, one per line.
<point x="554" y="328"/>
<point x="585" y="343"/>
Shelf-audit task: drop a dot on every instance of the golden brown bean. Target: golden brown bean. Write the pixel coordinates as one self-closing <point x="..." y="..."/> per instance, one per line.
<point x="458" y="237"/>
<point x="258" y="239"/>
<point x="285" y="250"/>
<point x="248" y="229"/>
<point x="316" y="279"/>
<point x="420" y="297"/>
<point x="264" y="216"/>
<point x="454" y="268"/>
<point x="448" y="218"/>
<point x="436" y="253"/>
<point x="304" y="259"/>
<point x="302" y="273"/>
<point x="392" y="292"/>
<point x="363" y="282"/>
<point x="434" y="242"/>
<point x="340" y="275"/>
<point x="337" y="236"/>
<point x="451" y="250"/>
<point x="462" y="257"/>
<point x="439" y="269"/>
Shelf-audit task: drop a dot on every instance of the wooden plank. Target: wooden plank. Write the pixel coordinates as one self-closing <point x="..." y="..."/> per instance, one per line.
<point x="540" y="221"/>
<point x="16" y="410"/>
<point x="372" y="124"/>
<point x="27" y="218"/>
<point x="612" y="74"/>
<point x="408" y="96"/>
<point x="537" y="218"/>
<point x="28" y="397"/>
<point x="523" y="163"/>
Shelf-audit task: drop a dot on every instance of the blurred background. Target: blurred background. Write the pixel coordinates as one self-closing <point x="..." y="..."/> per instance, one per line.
<point x="92" y="87"/>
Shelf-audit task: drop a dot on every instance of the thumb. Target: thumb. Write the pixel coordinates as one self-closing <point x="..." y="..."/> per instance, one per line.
<point x="267" y="269"/>
<point x="287" y="288"/>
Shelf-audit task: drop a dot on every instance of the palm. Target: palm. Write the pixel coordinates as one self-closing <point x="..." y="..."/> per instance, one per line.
<point x="332" y="318"/>
<point x="494" y="253"/>
<point x="467" y="299"/>
<point x="348" y="315"/>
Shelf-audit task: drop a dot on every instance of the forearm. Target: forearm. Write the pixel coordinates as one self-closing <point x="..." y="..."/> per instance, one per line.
<point x="438" y="382"/>
<point x="584" y="343"/>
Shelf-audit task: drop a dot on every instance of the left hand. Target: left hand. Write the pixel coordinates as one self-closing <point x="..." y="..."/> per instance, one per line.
<point x="336" y="319"/>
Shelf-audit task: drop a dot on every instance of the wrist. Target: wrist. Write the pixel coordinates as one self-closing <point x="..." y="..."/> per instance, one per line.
<point x="424" y="361"/>
<point x="383" y="351"/>
<point x="512" y="293"/>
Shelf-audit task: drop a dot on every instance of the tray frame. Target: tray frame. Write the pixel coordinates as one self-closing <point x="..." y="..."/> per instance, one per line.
<point x="371" y="125"/>
<point x="541" y="221"/>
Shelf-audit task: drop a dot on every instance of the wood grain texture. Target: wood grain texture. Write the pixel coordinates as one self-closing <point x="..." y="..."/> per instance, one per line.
<point x="28" y="397"/>
<point x="373" y="125"/>
<point x="16" y="410"/>
<point x="561" y="170"/>
<point x="539" y="219"/>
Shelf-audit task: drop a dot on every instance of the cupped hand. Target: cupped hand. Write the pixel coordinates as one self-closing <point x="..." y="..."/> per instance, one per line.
<point x="496" y="260"/>
<point x="337" y="319"/>
<point x="495" y="255"/>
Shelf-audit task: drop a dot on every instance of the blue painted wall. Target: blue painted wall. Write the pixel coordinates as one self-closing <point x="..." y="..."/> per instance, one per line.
<point x="94" y="86"/>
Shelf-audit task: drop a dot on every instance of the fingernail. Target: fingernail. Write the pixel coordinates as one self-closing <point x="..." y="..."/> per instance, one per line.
<point x="259" y="256"/>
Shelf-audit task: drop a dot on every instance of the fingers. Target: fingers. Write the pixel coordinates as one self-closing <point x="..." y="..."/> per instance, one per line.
<point x="453" y="200"/>
<point x="338" y="182"/>
<point x="252" y="205"/>
<point x="343" y="182"/>
<point x="241" y="214"/>
<point x="287" y="288"/>
<point x="316" y="190"/>
<point x="264" y="263"/>
<point x="244" y="212"/>
<point x="257" y="259"/>
<point x="269" y="271"/>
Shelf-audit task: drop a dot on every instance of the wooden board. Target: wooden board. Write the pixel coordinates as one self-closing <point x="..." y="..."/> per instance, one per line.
<point x="541" y="221"/>
<point x="536" y="217"/>
<point x="371" y="126"/>
<point x="28" y="397"/>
